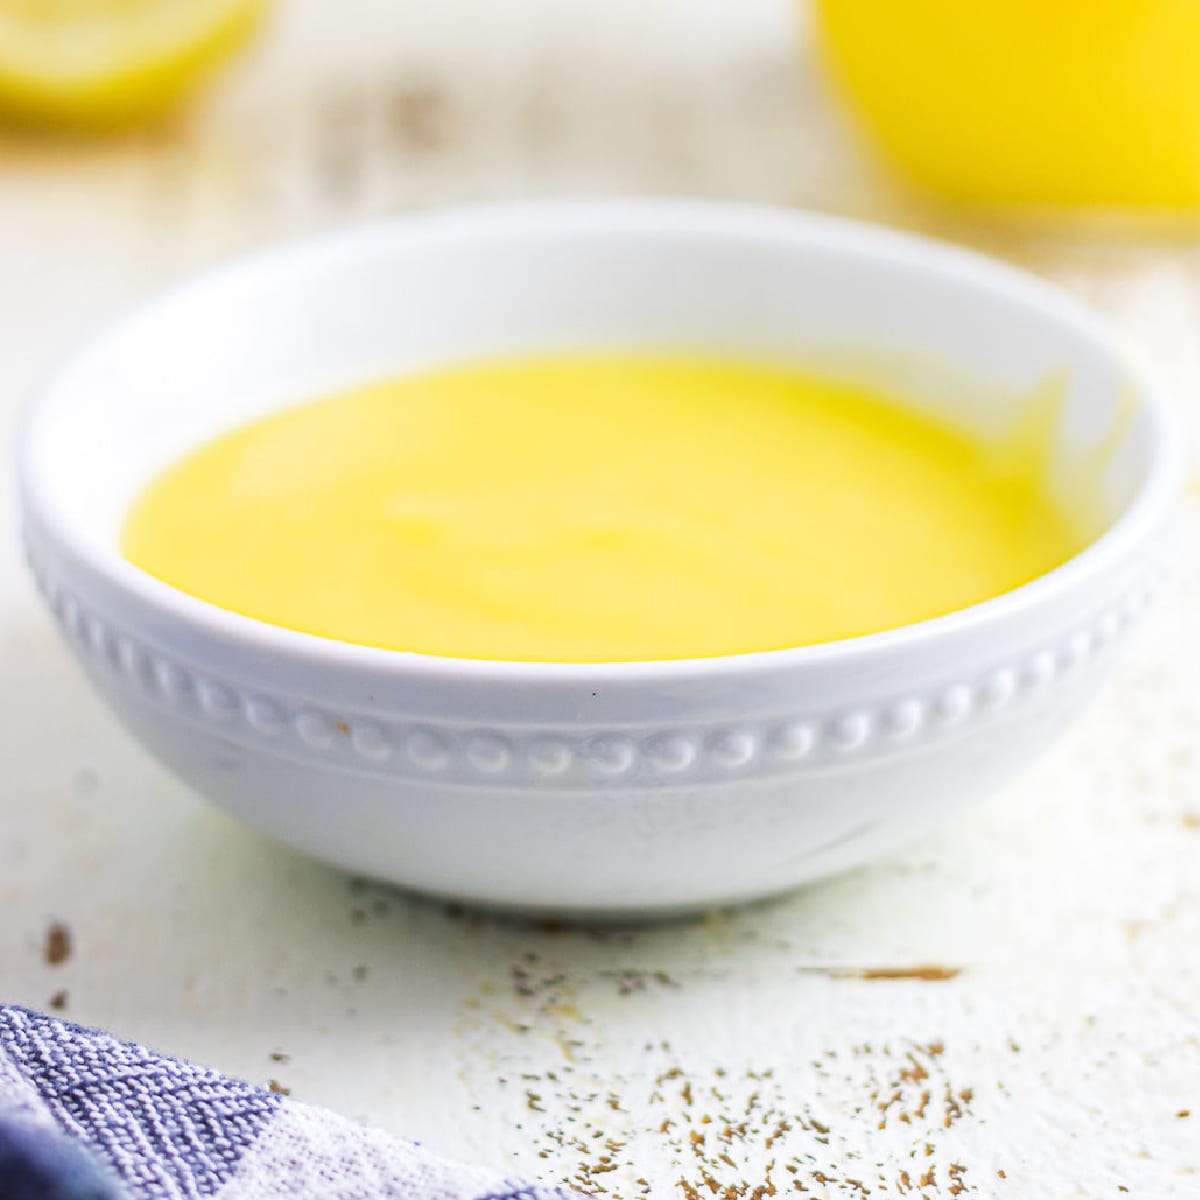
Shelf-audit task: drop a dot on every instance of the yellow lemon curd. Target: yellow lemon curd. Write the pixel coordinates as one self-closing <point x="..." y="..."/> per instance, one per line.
<point x="597" y="509"/>
<point x="1029" y="102"/>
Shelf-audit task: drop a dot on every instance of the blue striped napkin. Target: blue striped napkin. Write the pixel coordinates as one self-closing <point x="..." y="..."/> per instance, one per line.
<point x="86" y="1117"/>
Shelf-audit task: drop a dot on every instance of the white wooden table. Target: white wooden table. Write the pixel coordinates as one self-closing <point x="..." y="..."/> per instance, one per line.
<point x="1010" y="1009"/>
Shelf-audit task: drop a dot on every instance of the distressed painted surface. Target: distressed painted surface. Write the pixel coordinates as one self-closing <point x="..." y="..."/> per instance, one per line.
<point x="1009" y="1009"/>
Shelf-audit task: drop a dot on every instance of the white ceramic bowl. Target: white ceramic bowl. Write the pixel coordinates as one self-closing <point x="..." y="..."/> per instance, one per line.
<point x="619" y="787"/>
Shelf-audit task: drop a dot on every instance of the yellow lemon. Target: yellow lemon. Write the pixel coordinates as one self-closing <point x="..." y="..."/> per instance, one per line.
<point x="1029" y="102"/>
<point x="100" y="64"/>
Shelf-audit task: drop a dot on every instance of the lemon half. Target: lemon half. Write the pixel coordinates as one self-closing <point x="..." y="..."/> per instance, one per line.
<point x="97" y="64"/>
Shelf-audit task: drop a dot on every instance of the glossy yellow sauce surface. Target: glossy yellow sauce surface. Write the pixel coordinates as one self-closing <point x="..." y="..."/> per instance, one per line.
<point x="613" y="508"/>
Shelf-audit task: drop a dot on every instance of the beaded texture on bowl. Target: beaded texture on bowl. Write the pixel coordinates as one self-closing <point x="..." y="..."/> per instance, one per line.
<point x="529" y="756"/>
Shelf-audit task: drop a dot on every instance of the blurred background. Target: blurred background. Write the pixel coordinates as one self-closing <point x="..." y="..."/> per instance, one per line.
<point x="140" y="139"/>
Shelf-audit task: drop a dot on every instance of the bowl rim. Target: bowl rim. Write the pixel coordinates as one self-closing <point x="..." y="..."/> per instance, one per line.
<point x="720" y="220"/>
